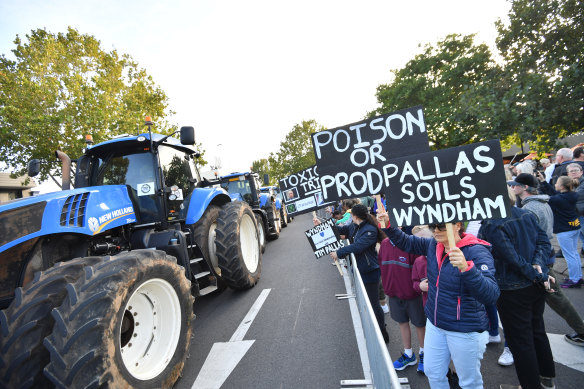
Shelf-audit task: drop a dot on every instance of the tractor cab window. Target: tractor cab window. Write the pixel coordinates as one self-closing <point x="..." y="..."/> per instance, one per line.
<point x="179" y="179"/>
<point x="139" y="173"/>
<point x="235" y="185"/>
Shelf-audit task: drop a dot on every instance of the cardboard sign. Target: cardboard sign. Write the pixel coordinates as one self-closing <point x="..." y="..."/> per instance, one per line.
<point x="458" y="184"/>
<point x="324" y="238"/>
<point x="350" y="150"/>
<point x="301" y="192"/>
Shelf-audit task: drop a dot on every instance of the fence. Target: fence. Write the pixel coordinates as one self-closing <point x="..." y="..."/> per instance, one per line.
<point x="382" y="373"/>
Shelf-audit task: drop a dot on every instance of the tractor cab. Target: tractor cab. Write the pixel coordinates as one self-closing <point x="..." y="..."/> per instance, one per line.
<point x="244" y="187"/>
<point x="159" y="171"/>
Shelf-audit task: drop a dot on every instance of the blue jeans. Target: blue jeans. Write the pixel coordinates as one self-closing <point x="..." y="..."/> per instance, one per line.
<point x="466" y="350"/>
<point x="568" y="241"/>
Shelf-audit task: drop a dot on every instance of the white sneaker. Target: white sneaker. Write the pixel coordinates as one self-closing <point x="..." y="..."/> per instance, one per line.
<point x="506" y="359"/>
<point x="385" y="308"/>
<point x="495" y="339"/>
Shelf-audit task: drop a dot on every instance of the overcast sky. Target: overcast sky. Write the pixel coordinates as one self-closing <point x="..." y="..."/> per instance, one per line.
<point x="243" y="73"/>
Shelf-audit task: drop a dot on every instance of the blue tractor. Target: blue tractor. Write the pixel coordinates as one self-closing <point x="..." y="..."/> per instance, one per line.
<point x="98" y="282"/>
<point x="245" y="187"/>
<point x="275" y="193"/>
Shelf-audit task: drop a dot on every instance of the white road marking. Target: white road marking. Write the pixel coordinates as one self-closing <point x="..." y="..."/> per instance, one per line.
<point x="248" y="319"/>
<point x="224" y="356"/>
<point x="565" y="353"/>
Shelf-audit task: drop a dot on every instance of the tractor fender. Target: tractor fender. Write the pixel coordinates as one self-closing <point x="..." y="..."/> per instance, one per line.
<point x="278" y="203"/>
<point x="200" y="200"/>
<point x="264" y="199"/>
<point x="87" y="211"/>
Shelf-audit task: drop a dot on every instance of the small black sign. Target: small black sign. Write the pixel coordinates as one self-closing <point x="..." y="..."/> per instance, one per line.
<point x="324" y="238"/>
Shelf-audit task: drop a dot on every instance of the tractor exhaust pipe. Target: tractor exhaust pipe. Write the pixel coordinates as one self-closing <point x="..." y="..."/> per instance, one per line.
<point x="66" y="170"/>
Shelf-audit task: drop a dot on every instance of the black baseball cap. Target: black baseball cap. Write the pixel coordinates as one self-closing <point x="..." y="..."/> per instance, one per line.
<point x="524" y="179"/>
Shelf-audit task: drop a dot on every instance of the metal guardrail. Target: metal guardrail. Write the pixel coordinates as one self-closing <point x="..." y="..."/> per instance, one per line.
<point x="383" y="374"/>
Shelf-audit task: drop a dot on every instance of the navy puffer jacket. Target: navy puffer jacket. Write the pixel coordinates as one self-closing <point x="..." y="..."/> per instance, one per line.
<point x="456" y="299"/>
<point x="363" y="239"/>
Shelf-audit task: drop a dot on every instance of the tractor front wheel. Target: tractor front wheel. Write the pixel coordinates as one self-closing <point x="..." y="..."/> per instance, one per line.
<point x="26" y="322"/>
<point x="126" y="323"/>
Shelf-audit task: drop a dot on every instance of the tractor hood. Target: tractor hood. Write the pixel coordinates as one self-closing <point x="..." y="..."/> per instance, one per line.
<point x="88" y="211"/>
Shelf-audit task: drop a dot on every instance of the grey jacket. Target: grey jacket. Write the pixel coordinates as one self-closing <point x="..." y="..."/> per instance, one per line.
<point x="538" y="205"/>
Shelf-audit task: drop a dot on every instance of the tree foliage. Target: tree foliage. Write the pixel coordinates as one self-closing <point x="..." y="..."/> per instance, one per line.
<point x="295" y="153"/>
<point x="261" y="166"/>
<point x="63" y="86"/>
<point x="543" y="89"/>
<point x="438" y="79"/>
<point x="536" y="93"/>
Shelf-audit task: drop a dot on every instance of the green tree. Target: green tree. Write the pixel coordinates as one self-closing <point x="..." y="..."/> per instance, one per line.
<point x="439" y="79"/>
<point x="63" y="86"/>
<point x="261" y="166"/>
<point x="295" y="153"/>
<point x="541" y="92"/>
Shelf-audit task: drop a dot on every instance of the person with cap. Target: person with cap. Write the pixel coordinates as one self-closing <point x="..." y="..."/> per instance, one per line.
<point x="563" y="201"/>
<point x="520" y="250"/>
<point x="558" y="301"/>
<point x="364" y="234"/>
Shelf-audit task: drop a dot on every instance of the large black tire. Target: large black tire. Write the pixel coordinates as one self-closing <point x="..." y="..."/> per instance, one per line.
<point x="283" y="217"/>
<point x="26" y="322"/>
<point x="204" y="234"/>
<point x="273" y="222"/>
<point x="126" y="323"/>
<point x="261" y="232"/>
<point x="238" y="248"/>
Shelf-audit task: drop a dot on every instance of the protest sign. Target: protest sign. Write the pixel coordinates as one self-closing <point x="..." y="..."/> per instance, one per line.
<point x="458" y="184"/>
<point x="301" y="192"/>
<point x="324" y="238"/>
<point x="346" y="152"/>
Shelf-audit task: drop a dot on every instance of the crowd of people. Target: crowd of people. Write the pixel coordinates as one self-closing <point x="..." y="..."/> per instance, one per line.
<point x="455" y="291"/>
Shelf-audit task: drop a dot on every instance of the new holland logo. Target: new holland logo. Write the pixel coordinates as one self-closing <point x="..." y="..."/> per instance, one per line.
<point x="93" y="224"/>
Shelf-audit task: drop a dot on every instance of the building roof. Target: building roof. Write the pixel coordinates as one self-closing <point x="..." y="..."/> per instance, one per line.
<point x="15" y="183"/>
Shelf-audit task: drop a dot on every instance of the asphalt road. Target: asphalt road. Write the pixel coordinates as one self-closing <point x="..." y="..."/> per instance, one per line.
<point x="302" y="336"/>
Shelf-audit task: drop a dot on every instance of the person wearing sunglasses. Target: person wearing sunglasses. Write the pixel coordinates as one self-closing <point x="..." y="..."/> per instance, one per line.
<point x="461" y="280"/>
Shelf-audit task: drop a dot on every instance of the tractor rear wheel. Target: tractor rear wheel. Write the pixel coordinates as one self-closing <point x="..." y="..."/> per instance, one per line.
<point x="26" y="322"/>
<point x="238" y="248"/>
<point x="274" y="223"/>
<point x="126" y="323"/>
<point x="283" y="217"/>
<point x="261" y="232"/>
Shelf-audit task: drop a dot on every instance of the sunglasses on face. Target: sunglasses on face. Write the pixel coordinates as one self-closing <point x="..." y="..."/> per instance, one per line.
<point x="439" y="226"/>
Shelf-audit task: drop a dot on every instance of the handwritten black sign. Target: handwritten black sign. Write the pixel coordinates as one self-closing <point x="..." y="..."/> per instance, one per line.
<point x="324" y="238"/>
<point x="346" y="153"/>
<point x="457" y="184"/>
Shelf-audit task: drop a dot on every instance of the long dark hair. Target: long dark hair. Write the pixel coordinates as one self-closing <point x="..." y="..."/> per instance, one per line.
<point x="361" y="212"/>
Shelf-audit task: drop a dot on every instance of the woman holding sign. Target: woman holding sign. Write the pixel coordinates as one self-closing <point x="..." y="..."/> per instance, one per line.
<point x="364" y="234"/>
<point x="460" y="282"/>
